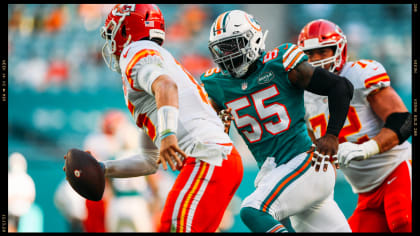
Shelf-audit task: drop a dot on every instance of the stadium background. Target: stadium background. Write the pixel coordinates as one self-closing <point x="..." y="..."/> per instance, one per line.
<point x="59" y="86"/>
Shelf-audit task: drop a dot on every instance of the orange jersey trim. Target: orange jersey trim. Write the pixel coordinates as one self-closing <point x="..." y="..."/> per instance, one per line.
<point x="143" y="121"/>
<point x="203" y="95"/>
<point x="376" y="79"/>
<point x="139" y="55"/>
<point x="287" y="56"/>
<point x="293" y="61"/>
<point x="130" y="107"/>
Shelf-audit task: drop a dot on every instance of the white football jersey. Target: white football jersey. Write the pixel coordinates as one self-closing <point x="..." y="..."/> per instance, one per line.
<point x="199" y="127"/>
<point x="361" y="125"/>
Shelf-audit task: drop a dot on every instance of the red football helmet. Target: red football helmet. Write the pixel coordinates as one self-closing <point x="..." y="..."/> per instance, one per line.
<point x="127" y="23"/>
<point x="323" y="33"/>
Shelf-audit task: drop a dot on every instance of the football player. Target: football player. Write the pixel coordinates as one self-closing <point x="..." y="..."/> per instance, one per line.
<point x="169" y="105"/>
<point x="264" y="91"/>
<point x="373" y="152"/>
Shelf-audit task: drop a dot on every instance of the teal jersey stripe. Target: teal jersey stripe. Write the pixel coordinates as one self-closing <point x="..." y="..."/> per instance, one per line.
<point x="286" y="181"/>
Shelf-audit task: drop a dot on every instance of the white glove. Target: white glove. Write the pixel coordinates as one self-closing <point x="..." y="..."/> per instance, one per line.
<point x="268" y="165"/>
<point x="348" y="151"/>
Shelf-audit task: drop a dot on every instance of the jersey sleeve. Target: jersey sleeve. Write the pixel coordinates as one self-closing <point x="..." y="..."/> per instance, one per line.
<point x="292" y="56"/>
<point x="376" y="77"/>
<point x="143" y="67"/>
<point x="212" y="87"/>
<point x="371" y="76"/>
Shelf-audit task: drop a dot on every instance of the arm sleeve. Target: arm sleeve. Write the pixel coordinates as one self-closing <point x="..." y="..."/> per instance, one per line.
<point x="339" y="91"/>
<point x="138" y="165"/>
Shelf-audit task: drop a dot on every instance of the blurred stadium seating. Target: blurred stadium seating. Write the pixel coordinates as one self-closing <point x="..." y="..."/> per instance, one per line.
<point x="59" y="85"/>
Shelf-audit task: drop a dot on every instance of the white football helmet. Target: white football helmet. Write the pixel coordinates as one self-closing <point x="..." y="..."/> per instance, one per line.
<point x="236" y="41"/>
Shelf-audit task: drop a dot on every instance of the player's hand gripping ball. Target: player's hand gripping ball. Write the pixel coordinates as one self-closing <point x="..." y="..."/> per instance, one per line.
<point x="85" y="174"/>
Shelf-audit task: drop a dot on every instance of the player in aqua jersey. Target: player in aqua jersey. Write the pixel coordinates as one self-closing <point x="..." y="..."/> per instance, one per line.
<point x="264" y="92"/>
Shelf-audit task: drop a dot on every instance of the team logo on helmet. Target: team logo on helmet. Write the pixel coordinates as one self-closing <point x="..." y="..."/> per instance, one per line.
<point x="124" y="9"/>
<point x="253" y="22"/>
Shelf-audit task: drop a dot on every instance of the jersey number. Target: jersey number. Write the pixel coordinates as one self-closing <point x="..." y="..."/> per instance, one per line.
<point x="271" y="55"/>
<point x="263" y="111"/>
<point x="353" y="127"/>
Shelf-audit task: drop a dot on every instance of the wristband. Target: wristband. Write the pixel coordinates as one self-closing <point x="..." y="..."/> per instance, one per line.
<point x="167" y="121"/>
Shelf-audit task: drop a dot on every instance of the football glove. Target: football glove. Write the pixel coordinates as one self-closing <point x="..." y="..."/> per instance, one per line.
<point x="226" y="117"/>
<point x="348" y="151"/>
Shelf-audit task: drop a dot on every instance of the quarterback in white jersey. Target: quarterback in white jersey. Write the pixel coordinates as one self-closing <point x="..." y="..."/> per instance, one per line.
<point x="169" y="105"/>
<point x="199" y="126"/>
<point x="373" y="150"/>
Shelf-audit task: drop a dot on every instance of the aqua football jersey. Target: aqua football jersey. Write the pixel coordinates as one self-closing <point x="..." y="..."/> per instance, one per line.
<point x="268" y="110"/>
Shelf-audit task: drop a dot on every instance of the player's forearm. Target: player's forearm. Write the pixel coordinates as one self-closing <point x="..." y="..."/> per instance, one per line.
<point x="166" y="91"/>
<point x="166" y="96"/>
<point x="386" y="139"/>
<point x="396" y="130"/>
<point x="137" y="165"/>
<point x="339" y="98"/>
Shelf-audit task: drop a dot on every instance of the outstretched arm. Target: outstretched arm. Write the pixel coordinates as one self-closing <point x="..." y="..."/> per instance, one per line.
<point x="339" y="91"/>
<point x="137" y="165"/>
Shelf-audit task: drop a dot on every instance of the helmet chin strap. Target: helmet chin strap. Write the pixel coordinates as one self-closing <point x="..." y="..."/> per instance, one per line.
<point x="127" y="42"/>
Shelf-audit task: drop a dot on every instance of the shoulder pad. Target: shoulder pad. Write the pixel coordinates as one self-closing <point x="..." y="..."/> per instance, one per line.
<point x="370" y="72"/>
<point x="288" y="55"/>
<point x="367" y="75"/>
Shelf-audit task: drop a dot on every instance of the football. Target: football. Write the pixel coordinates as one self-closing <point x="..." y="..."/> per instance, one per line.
<point x="84" y="174"/>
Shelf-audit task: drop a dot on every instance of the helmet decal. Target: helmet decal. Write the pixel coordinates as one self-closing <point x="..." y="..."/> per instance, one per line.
<point x="124" y="10"/>
<point x="219" y="27"/>
<point x="253" y="22"/>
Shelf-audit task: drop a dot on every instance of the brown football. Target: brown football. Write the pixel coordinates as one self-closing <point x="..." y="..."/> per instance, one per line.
<point x="85" y="174"/>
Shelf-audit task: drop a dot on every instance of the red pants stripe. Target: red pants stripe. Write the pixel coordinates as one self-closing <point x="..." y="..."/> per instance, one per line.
<point x="201" y="194"/>
<point x="387" y="208"/>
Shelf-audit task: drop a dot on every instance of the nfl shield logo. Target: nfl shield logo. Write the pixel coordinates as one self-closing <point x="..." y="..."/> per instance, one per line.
<point x="244" y="85"/>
